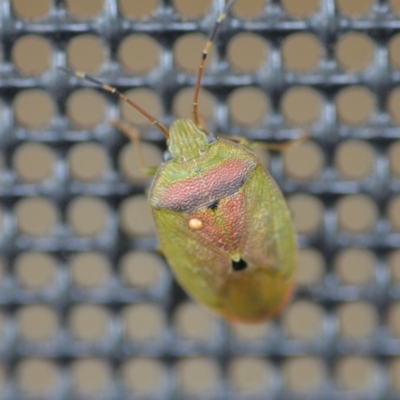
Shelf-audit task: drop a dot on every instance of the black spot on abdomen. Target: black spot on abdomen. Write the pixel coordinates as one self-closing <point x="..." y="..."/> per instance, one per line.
<point x="239" y="265"/>
<point x="213" y="206"/>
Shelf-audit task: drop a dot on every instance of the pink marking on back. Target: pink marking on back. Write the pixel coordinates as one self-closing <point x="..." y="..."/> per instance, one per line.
<point x="200" y="190"/>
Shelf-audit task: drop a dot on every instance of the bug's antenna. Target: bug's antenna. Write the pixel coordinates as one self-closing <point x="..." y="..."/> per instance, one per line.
<point x="221" y="17"/>
<point x="120" y="95"/>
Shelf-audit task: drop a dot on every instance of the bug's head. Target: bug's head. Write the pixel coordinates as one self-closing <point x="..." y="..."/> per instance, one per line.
<point x="186" y="140"/>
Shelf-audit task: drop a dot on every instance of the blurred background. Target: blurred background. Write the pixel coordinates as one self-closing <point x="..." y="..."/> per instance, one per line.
<point x="89" y="309"/>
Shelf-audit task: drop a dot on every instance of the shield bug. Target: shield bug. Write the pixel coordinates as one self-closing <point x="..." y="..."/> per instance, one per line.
<point x="222" y="222"/>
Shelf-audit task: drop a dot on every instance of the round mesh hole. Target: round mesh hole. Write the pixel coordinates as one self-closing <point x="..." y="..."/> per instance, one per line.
<point x="197" y="376"/>
<point x="394" y="159"/>
<point x="90" y="270"/>
<point x="191" y="9"/>
<point x="247" y="53"/>
<point x="355" y="105"/>
<point x="85" y="53"/>
<point x="304" y="162"/>
<point x="182" y="104"/>
<point x="85" y="109"/>
<point x="394" y="51"/>
<point x="33" y="109"/>
<point x="140" y="269"/>
<point x="301" y="52"/>
<point x="393" y="104"/>
<point x="137" y="9"/>
<point x="34" y="270"/>
<point x="91" y="376"/>
<point x="393" y="261"/>
<point x="248" y="9"/>
<point x="248" y="106"/>
<point x="301" y="106"/>
<point x="354" y="52"/>
<point x="193" y="323"/>
<point x="4" y="379"/>
<point x="37" y="377"/>
<point x="356" y="214"/>
<point x="355" y="373"/>
<point x="301" y="9"/>
<point x="355" y="266"/>
<point x="89" y="322"/>
<point x="135" y="217"/>
<point x="304" y="374"/>
<point x="354" y="8"/>
<point x="310" y="268"/>
<point x="354" y="159"/>
<point x="250" y="333"/>
<point x="142" y="376"/>
<point x="303" y="320"/>
<point x="33" y="162"/>
<point x="395" y="6"/>
<point x="143" y="322"/>
<point x="37" y="323"/>
<point x="36" y="217"/>
<point x="394" y="368"/>
<point x="357" y="321"/>
<point x="82" y="10"/>
<point x="87" y="162"/>
<point x="87" y="216"/>
<point x="31" y="55"/>
<point x="187" y="50"/>
<point x="31" y="10"/>
<point x="128" y="161"/>
<point x="145" y="98"/>
<point x="250" y="375"/>
<point x="307" y="213"/>
<point x="138" y="44"/>
<point x="393" y="213"/>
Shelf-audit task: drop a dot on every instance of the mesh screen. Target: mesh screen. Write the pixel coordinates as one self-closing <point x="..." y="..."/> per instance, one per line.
<point x="89" y="309"/>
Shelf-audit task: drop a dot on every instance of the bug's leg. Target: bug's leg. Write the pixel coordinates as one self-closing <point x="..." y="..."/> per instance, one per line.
<point x="281" y="147"/>
<point x="202" y="124"/>
<point x="133" y="134"/>
<point x="207" y="47"/>
<point x="278" y="147"/>
<point x="237" y="139"/>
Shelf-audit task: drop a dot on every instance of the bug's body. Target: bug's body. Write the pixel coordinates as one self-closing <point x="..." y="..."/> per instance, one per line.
<point x="222" y="222"/>
<point x="239" y="260"/>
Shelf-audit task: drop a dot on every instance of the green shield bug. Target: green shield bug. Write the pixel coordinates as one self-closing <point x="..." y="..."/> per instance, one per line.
<point x="222" y="222"/>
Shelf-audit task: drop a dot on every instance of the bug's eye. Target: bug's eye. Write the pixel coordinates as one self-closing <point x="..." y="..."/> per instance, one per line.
<point x="167" y="156"/>
<point x="239" y="265"/>
<point x="213" y="206"/>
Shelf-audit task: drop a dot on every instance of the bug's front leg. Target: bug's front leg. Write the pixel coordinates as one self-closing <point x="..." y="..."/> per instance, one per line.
<point x="278" y="147"/>
<point x="134" y="135"/>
